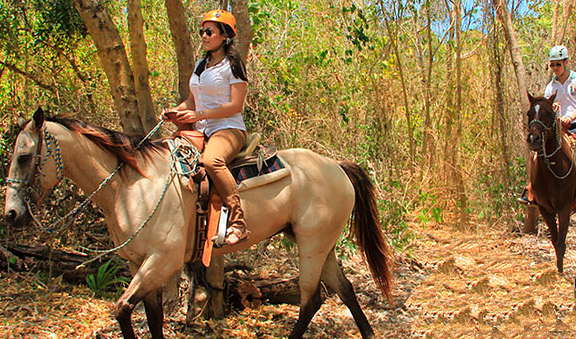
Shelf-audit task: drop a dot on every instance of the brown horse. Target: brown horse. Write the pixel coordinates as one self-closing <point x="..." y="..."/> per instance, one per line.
<point x="551" y="172"/>
<point x="152" y="217"/>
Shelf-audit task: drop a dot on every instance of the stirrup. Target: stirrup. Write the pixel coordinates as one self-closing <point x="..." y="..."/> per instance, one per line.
<point x="525" y="201"/>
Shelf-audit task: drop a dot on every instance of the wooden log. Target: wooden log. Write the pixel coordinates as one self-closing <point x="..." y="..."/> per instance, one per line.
<point x="57" y="261"/>
<point x="7" y="259"/>
<point x="252" y="291"/>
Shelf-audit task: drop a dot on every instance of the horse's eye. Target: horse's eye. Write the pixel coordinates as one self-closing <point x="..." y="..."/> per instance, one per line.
<point x="24" y="159"/>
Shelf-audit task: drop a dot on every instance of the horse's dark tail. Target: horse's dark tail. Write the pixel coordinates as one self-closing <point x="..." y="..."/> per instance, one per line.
<point x="368" y="229"/>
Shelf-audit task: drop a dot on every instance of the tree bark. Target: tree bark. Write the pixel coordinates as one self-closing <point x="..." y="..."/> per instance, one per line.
<point x="555" y="20"/>
<point x="506" y="20"/>
<point x="567" y="13"/>
<point x="244" y="28"/>
<point x="140" y="64"/>
<point x="182" y="45"/>
<point x="114" y="61"/>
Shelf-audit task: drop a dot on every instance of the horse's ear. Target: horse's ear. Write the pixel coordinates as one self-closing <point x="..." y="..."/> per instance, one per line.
<point x="552" y="97"/>
<point x="530" y="98"/>
<point x="22" y="121"/>
<point x="37" y="119"/>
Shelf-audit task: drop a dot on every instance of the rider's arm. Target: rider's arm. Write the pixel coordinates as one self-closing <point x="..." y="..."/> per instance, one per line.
<point x="237" y="97"/>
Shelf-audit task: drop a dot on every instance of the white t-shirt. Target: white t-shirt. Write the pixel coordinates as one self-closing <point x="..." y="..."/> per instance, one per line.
<point x="566" y="95"/>
<point x="212" y="89"/>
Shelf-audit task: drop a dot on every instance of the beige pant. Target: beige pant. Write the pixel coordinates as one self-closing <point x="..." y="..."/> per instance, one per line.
<point x="221" y="148"/>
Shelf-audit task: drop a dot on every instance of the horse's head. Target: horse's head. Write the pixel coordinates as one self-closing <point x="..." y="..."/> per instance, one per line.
<point x="32" y="170"/>
<point x="542" y="123"/>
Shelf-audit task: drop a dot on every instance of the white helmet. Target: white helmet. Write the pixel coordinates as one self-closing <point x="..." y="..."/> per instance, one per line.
<point x="558" y="53"/>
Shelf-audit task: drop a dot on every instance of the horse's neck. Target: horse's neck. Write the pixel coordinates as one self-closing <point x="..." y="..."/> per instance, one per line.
<point x="88" y="165"/>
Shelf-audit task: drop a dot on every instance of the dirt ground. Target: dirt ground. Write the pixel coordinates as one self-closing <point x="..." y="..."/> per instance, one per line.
<point x="479" y="283"/>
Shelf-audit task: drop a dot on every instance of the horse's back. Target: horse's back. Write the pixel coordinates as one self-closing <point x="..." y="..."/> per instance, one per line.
<point x="315" y="200"/>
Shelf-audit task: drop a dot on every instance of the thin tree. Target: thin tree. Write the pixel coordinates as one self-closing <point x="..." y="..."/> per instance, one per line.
<point x="140" y="65"/>
<point x="182" y="45"/>
<point x="514" y="49"/>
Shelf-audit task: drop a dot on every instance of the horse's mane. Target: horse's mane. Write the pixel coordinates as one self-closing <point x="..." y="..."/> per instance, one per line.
<point x="123" y="146"/>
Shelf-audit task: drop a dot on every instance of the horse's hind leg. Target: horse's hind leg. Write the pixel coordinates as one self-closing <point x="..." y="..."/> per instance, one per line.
<point x="312" y="257"/>
<point x="307" y="311"/>
<point x="334" y="278"/>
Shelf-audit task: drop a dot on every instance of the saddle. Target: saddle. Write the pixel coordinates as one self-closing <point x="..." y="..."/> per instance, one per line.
<point x="254" y="166"/>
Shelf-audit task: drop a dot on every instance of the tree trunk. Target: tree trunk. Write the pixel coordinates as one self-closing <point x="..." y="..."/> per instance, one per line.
<point x="506" y="19"/>
<point x="114" y="61"/>
<point x="499" y="105"/>
<point x="555" y="21"/>
<point x="215" y="283"/>
<point x="140" y="63"/>
<point x="428" y="150"/>
<point x="393" y="33"/>
<point x="182" y="44"/>
<point x="458" y="171"/>
<point x="244" y="28"/>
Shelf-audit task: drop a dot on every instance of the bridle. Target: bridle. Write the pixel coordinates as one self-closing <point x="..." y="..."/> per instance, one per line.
<point x="32" y="188"/>
<point x="554" y="127"/>
<point x="542" y="151"/>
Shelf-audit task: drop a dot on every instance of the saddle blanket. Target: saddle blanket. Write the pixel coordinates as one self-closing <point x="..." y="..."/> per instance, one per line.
<point x="246" y="176"/>
<point x="246" y="172"/>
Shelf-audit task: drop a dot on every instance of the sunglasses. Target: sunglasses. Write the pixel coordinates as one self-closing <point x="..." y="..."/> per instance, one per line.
<point x="208" y="32"/>
<point x="555" y="64"/>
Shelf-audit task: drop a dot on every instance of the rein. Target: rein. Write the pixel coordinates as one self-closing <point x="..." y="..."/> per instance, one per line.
<point x="542" y="152"/>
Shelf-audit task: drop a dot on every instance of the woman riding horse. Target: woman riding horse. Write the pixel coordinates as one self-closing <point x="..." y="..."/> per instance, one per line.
<point x="217" y="93"/>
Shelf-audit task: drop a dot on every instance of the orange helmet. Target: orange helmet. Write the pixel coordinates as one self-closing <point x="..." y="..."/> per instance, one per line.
<point x="219" y="15"/>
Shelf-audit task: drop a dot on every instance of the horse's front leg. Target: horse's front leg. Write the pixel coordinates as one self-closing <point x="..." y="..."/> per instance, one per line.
<point x="560" y="243"/>
<point x="146" y="284"/>
<point x="550" y="219"/>
<point x="154" y="312"/>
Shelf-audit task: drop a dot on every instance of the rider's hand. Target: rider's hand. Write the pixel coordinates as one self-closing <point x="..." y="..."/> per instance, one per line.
<point x="187" y="116"/>
<point x="565" y="121"/>
<point x="167" y="114"/>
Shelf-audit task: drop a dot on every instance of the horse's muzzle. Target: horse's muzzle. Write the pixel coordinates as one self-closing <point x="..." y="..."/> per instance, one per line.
<point x="534" y="142"/>
<point x="15" y="210"/>
<point x="15" y="218"/>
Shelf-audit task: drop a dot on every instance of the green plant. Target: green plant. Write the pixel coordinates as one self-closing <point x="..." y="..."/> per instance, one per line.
<point x="106" y="278"/>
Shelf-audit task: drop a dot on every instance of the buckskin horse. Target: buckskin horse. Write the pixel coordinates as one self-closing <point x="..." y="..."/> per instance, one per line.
<point x="311" y="206"/>
<point x="551" y="172"/>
